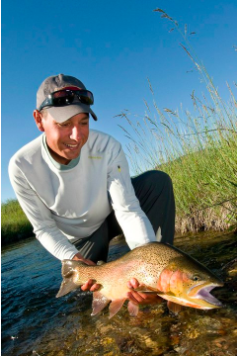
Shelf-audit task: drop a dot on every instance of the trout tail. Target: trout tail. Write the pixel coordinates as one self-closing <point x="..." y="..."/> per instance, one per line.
<point x="70" y="274"/>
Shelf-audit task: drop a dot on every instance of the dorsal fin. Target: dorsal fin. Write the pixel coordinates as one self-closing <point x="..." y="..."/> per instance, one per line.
<point x="101" y="262"/>
<point x="158" y="235"/>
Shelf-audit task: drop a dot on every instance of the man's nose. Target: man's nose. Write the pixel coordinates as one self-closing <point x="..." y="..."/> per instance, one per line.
<point x="76" y="133"/>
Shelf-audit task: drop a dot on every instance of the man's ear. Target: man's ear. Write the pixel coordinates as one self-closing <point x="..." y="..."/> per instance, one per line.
<point x="38" y="119"/>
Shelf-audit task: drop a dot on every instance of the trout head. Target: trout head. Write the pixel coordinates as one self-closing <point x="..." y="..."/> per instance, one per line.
<point x="188" y="283"/>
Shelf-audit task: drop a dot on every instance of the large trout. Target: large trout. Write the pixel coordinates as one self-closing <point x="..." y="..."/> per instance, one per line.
<point x="159" y="268"/>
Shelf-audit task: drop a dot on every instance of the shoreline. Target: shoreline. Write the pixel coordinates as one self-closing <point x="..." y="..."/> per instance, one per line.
<point x="213" y="229"/>
<point x="16" y="227"/>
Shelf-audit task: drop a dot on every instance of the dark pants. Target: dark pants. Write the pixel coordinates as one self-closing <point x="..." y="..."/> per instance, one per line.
<point x="154" y="191"/>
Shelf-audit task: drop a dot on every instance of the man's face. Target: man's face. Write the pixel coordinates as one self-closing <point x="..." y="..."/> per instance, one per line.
<point x="66" y="139"/>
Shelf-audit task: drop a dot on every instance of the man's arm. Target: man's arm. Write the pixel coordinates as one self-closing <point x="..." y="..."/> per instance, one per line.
<point x="44" y="226"/>
<point x="133" y="221"/>
<point x="40" y="216"/>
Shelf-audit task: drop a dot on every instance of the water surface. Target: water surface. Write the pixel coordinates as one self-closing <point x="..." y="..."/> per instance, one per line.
<point x="34" y="322"/>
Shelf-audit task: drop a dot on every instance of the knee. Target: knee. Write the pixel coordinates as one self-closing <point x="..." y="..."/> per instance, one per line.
<point x="159" y="179"/>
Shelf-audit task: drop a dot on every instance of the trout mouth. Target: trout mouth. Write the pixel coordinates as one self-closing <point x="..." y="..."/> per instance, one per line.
<point x="203" y="293"/>
<point x="197" y="297"/>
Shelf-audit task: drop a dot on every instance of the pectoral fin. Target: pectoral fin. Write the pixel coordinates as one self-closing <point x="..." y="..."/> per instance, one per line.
<point x="99" y="302"/>
<point x="115" y="306"/>
<point x="174" y="307"/>
<point x="133" y="309"/>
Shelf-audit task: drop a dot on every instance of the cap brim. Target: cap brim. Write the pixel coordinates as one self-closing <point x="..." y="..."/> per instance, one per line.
<point x="62" y="114"/>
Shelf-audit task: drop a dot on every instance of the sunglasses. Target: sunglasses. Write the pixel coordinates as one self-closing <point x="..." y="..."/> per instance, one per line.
<point x="66" y="96"/>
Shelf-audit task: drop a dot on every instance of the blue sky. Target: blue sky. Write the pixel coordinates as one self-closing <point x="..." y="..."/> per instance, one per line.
<point x="112" y="47"/>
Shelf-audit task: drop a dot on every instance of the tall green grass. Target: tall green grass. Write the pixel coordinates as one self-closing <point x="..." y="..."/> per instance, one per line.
<point x="198" y="150"/>
<point x="14" y="223"/>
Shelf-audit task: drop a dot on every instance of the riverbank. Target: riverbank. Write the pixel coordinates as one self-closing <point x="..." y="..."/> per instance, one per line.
<point x="16" y="227"/>
<point x="200" y="155"/>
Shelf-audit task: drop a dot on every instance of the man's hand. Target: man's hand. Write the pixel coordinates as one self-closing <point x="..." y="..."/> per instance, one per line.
<point x="79" y="257"/>
<point x="140" y="297"/>
<point x="90" y="285"/>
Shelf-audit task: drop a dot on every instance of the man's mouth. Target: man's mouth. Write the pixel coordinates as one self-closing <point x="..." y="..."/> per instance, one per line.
<point x="71" y="146"/>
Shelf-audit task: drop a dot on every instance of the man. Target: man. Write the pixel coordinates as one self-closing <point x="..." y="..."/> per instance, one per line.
<point x="74" y="185"/>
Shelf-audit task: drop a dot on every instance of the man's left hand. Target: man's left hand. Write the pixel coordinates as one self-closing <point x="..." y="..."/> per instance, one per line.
<point x="140" y="297"/>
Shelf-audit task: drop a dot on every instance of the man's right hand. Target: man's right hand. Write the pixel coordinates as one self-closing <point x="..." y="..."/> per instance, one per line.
<point x="90" y="285"/>
<point x="79" y="257"/>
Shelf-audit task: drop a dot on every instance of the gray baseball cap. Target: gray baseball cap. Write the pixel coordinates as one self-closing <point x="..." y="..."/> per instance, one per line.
<point x="55" y="83"/>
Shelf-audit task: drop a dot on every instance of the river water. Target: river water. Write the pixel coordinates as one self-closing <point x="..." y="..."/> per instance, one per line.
<point x="34" y="322"/>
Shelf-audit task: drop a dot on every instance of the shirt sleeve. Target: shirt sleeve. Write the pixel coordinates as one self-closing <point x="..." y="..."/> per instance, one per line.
<point x="132" y="219"/>
<point x="40" y="216"/>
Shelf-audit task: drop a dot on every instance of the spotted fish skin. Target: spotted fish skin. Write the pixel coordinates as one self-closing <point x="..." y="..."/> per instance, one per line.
<point x="158" y="267"/>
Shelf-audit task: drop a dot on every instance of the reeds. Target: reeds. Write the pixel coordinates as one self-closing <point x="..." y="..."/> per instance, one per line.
<point x="198" y="150"/>
<point x="14" y="224"/>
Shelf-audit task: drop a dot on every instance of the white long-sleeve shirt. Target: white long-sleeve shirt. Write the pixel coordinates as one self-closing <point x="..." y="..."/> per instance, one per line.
<point x="66" y="204"/>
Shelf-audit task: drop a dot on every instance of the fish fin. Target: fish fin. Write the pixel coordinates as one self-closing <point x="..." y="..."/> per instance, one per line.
<point x="115" y="306"/>
<point x="68" y="272"/>
<point x="100" y="262"/>
<point x="174" y="307"/>
<point x="66" y="286"/>
<point x="133" y="309"/>
<point x="158" y="235"/>
<point x="99" y="302"/>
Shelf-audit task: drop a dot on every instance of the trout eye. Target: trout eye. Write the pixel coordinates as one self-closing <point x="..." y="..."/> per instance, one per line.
<point x="195" y="278"/>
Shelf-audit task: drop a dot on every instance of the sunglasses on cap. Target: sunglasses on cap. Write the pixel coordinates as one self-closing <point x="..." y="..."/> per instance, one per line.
<point x="65" y="97"/>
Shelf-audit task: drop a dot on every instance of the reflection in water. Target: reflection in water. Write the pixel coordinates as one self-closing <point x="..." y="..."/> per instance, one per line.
<point x="34" y="322"/>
